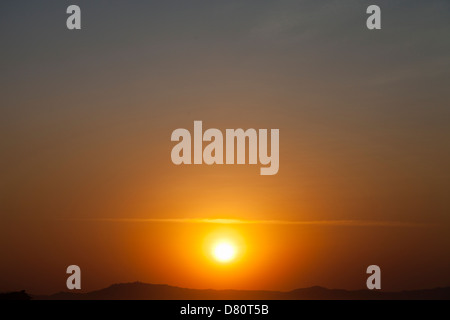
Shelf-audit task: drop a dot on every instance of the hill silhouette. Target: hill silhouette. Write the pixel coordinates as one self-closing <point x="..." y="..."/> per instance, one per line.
<point x="18" y="295"/>
<point x="143" y="291"/>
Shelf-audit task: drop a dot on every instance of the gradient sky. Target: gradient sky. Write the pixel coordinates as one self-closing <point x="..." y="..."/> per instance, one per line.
<point x="86" y="119"/>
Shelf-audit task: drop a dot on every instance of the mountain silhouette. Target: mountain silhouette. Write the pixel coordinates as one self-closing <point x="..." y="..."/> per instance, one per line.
<point x="143" y="291"/>
<point x="18" y="295"/>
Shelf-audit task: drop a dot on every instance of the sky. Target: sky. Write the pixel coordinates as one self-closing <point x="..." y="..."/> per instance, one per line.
<point x="86" y="120"/>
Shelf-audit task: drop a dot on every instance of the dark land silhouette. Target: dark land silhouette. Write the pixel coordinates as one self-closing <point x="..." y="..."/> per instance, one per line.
<point x="18" y="295"/>
<point x="143" y="291"/>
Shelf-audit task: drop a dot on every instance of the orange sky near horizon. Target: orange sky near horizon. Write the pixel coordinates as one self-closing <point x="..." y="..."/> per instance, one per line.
<point x="270" y="256"/>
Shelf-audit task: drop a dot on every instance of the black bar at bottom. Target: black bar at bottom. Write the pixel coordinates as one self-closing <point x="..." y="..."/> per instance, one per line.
<point x="227" y="309"/>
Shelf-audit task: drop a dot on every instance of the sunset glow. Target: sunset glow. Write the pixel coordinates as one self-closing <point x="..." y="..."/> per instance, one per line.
<point x="224" y="252"/>
<point x="225" y="145"/>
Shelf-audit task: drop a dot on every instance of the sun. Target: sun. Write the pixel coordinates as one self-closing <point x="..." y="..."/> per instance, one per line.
<point x="224" y="251"/>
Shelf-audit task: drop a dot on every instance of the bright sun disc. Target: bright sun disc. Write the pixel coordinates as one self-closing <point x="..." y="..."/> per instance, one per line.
<point x="224" y="252"/>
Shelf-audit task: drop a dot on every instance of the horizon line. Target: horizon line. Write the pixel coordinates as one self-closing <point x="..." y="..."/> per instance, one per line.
<point x="354" y="223"/>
